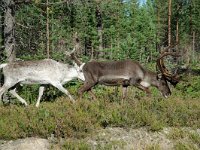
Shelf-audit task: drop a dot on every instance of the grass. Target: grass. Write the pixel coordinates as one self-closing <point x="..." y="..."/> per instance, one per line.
<point x="184" y="146"/>
<point x="153" y="147"/>
<point x="63" y="119"/>
<point x="83" y="145"/>
<point x="191" y="139"/>
<point x="176" y="134"/>
<point x="74" y="145"/>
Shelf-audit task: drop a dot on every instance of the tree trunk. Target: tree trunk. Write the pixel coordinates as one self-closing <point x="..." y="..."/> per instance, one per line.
<point x="111" y="47"/>
<point x="169" y="21"/>
<point x="192" y="33"/>
<point x="193" y="46"/>
<point x="177" y="31"/>
<point x="158" y="27"/>
<point x="9" y="34"/>
<point x="100" y="31"/>
<point x="2" y="57"/>
<point x="47" y="29"/>
<point x="76" y="43"/>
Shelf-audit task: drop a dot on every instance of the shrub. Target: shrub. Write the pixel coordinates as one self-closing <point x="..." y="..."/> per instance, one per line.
<point x="64" y="119"/>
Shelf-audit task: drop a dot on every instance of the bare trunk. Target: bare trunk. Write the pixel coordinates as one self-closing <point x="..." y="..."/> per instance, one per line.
<point x="101" y="54"/>
<point x="92" y="54"/>
<point x="192" y="33"/>
<point x="191" y="24"/>
<point x="169" y="22"/>
<point x="188" y="51"/>
<point x="179" y="7"/>
<point x="100" y="31"/>
<point x="76" y="42"/>
<point x="2" y="57"/>
<point x="177" y="37"/>
<point x="177" y="31"/>
<point x="47" y="29"/>
<point x="9" y="34"/>
<point x="111" y="47"/>
<point x="158" y="27"/>
<point x="193" y="46"/>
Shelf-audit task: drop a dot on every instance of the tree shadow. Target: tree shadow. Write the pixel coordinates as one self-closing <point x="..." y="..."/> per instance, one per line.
<point x="188" y="71"/>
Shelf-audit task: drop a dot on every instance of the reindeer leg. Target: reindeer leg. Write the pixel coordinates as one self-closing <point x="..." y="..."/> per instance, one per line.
<point x="86" y="87"/>
<point x="41" y="91"/>
<point x="3" y="89"/>
<point x="136" y="83"/>
<point x="92" y="94"/>
<point x="61" y="88"/>
<point x="124" y="93"/>
<point x="14" y="93"/>
<point x="148" y="92"/>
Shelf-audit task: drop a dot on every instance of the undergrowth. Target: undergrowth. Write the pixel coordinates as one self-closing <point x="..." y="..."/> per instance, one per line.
<point x="64" y="119"/>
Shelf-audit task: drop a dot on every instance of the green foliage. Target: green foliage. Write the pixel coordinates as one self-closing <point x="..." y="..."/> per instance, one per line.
<point x="184" y="146"/>
<point x="129" y="30"/>
<point x="177" y="134"/>
<point x="153" y="147"/>
<point x="83" y="145"/>
<point x="74" y="145"/>
<point x="64" y="119"/>
<point x="190" y="87"/>
<point x="195" y="137"/>
<point x="58" y="116"/>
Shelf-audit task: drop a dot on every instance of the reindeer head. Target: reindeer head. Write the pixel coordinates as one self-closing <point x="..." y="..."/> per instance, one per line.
<point x="77" y="63"/>
<point x="79" y="70"/>
<point x="163" y="86"/>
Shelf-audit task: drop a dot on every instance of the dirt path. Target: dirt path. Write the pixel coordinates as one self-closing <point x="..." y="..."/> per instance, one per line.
<point x="117" y="139"/>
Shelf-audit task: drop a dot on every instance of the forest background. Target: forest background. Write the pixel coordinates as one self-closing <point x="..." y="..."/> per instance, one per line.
<point x="106" y="29"/>
<point x="101" y="30"/>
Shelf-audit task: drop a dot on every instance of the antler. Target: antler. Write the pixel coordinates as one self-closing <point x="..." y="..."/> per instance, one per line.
<point x="73" y="56"/>
<point x="172" y="78"/>
<point x="72" y="53"/>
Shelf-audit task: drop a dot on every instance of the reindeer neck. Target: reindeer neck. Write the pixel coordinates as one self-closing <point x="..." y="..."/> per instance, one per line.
<point x="152" y="78"/>
<point x="73" y="72"/>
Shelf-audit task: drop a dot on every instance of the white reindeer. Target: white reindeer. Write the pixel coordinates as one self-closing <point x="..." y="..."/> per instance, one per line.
<point x="45" y="71"/>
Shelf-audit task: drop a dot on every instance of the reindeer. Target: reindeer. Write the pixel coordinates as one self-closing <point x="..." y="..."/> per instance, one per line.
<point x="42" y="72"/>
<point x="127" y="73"/>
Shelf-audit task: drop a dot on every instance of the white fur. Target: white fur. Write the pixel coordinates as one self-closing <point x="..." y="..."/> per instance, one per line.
<point x="107" y="77"/>
<point x="45" y="71"/>
<point x="145" y="84"/>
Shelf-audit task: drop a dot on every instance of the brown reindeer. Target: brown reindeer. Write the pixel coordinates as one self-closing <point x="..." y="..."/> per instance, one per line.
<point x="127" y="73"/>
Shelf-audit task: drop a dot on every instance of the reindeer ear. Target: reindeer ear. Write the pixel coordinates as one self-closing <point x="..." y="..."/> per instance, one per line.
<point x="159" y="76"/>
<point x="75" y="65"/>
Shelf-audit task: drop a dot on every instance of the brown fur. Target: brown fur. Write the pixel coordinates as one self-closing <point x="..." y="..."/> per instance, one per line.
<point x="124" y="72"/>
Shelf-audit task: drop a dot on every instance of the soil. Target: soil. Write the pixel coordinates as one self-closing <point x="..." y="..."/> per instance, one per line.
<point x="113" y="138"/>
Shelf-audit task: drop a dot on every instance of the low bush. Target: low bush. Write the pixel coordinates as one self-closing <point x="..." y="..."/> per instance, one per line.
<point x="64" y="119"/>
